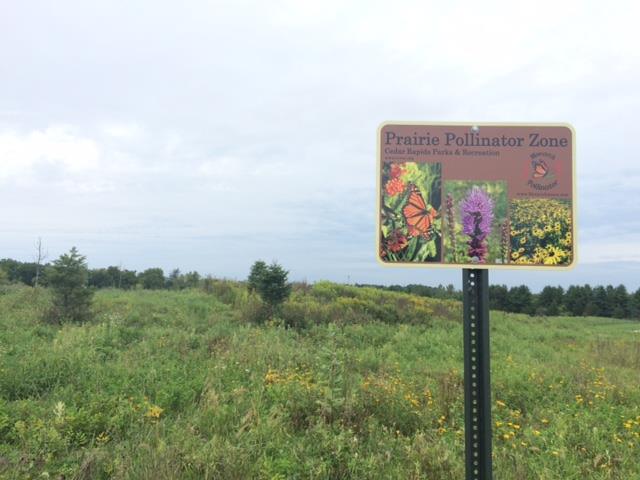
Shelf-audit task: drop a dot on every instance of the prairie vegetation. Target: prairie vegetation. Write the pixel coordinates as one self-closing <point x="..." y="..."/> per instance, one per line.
<point x="342" y="382"/>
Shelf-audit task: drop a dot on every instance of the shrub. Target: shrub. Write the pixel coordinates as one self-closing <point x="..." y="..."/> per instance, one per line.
<point x="71" y="295"/>
<point x="254" y="310"/>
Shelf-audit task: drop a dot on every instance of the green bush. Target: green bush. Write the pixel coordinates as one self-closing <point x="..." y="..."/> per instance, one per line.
<point x="225" y="290"/>
<point x="253" y="310"/>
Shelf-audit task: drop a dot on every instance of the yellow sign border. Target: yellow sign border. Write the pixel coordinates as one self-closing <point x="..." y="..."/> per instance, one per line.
<point x="574" y="198"/>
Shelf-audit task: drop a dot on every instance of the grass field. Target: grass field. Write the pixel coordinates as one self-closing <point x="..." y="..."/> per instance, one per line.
<point x="368" y="385"/>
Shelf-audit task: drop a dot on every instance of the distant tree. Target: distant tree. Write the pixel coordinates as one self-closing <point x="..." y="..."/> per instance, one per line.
<point x="152" y="279"/>
<point x="128" y="279"/>
<point x="550" y="301"/>
<point x="191" y="279"/>
<point x="498" y="297"/>
<point x="635" y="304"/>
<point x="16" y="271"/>
<point x="207" y="284"/>
<point x="256" y="274"/>
<point x="574" y="300"/>
<point x="40" y="257"/>
<point x="175" y="280"/>
<point x="9" y="267"/>
<point x="588" y="300"/>
<point x="600" y="301"/>
<point x="621" y="304"/>
<point x="72" y="298"/>
<point x="115" y="274"/>
<point x="100" y="278"/>
<point x="520" y="300"/>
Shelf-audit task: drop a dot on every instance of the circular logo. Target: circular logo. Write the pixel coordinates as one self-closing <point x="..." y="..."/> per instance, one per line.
<point x="542" y="171"/>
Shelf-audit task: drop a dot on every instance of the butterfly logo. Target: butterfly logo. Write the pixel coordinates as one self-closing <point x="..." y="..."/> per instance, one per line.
<point x="540" y="168"/>
<point x="418" y="215"/>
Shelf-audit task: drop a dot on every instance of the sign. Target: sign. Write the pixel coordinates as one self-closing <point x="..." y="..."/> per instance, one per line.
<point x="476" y="195"/>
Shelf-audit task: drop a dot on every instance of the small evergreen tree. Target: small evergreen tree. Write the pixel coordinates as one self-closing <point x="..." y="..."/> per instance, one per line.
<point x="273" y="287"/>
<point x="72" y="298"/>
<point x="270" y="283"/>
<point x="258" y="270"/>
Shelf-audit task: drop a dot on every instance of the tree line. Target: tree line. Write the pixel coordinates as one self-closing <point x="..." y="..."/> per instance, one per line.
<point x="577" y="300"/>
<point x="15" y="271"/>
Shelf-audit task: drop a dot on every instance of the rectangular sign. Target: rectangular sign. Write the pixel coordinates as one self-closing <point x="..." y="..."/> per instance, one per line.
<point x="476" y="195"/>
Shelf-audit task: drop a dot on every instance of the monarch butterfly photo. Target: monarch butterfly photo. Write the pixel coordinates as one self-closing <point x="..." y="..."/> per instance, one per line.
<point x="418" y="215"/>
<point x="410" y="218"/>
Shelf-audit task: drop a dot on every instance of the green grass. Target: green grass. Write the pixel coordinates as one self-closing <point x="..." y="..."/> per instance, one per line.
<point x="368" y="385"/>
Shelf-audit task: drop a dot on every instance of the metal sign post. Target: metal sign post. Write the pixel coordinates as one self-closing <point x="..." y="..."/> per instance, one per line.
<point x="477" y="378"/>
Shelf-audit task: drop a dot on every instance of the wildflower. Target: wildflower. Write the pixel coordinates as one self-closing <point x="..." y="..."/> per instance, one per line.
<point x="271" y="377"/>
<point x="154" y="412"/>
<point x="396" y="170"/>
<point x="59" y="411"/>
<point x="394" y="187"/>
<point x="397" y="241"/>
<point x="477" y="216"/>
<point x="554" y="255"/>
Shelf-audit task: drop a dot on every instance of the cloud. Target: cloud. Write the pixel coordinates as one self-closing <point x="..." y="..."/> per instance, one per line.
<point x="56" y="145"/>
<point x="207" y="135"/>
<point x="123" y="130"/>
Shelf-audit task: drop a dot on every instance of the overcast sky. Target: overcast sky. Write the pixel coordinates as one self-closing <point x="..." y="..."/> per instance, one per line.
<point x="206" y="135"/>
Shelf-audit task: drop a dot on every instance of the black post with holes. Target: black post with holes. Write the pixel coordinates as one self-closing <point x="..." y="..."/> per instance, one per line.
<point x="477" y="379"/>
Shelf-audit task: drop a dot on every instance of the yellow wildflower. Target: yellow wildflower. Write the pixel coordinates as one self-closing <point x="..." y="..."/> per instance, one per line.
<point x="154" y="412"/>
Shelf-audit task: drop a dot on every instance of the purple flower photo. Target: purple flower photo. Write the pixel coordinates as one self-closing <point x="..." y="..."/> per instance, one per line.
<point x="477" y="216"/>
<point x="475" y="212"/>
